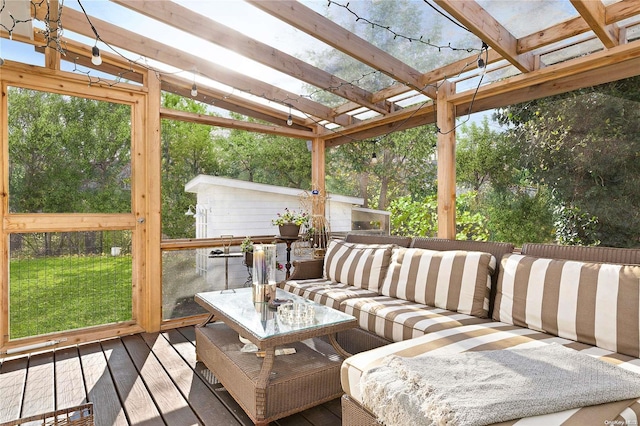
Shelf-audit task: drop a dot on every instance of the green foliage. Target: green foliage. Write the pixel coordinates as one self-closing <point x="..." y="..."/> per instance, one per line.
<point x="420" y="218"/>
<point x="263" y="158"/>
<point x="519" y="216"/>
<point x="584" y="145"/>
<point x="404" y="166"/>
<point x="187" y="151"/>
<point x="68" y="154"/>
<point x="574" y="227"/>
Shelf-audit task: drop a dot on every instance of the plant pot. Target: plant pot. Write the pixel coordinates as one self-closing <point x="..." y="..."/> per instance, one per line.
<point x="289" y="230"/>
<point x="248" y="259"/>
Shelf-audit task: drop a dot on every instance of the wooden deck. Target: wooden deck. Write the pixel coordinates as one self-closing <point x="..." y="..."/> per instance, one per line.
<point x="144" y="379"/>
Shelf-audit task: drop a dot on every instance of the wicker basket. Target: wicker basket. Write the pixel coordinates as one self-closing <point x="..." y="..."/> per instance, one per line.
<point x="80" y="415"/>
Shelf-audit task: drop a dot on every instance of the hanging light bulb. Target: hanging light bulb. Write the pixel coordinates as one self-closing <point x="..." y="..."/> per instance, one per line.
<point x="96" y="59"/>
<point x="194" y="90"/>
<point x="374" y="159"/>
<point x="289" y="120"/>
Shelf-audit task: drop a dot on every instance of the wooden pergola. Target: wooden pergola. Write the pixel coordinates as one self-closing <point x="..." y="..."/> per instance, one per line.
<point x="599" y="43"/>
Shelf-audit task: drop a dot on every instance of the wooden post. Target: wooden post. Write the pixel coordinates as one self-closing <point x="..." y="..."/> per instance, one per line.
<point x="317" y="174"/>
<point x="152" y="281"/>
<point x="446" y="162"/>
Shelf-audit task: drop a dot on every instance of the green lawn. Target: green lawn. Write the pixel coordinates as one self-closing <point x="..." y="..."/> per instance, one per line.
<point x="68" y="292"/>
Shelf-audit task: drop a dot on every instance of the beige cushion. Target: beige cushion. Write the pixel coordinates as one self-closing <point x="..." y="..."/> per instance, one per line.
<point x="593" y="303"/>
<point x="454" y="279"/>
<point x="359" y="265"/>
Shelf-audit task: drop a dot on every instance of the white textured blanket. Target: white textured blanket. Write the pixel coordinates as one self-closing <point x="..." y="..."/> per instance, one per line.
<point x="484" y="387"/>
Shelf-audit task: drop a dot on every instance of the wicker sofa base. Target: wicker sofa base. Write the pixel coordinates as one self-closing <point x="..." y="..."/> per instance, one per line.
<point x="353" y="414"/>
<point x="307" y="378"/>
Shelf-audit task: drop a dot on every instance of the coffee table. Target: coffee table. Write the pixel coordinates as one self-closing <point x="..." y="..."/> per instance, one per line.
<point x="271" y="387"/>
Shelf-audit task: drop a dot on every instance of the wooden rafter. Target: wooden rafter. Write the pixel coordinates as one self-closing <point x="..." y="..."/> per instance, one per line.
<point x="613" y="13"/>
<point x="179" y="86"/>
<point x="210" y="30"/>
<point x="76" y="22"/>
<point x="482" y="24"/>
<point x="311" y="22"/>
<point x="234" y="124"/>
<point x="594" y="14"/>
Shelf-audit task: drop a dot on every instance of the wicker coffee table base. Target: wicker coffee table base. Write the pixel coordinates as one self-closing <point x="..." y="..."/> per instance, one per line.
<point x="296" y="382"/>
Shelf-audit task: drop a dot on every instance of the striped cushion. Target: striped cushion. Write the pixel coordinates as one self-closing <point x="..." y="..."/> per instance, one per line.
<point x="398" y="319"/>
<point x="326" y="292"/>
<point x="593" y="303"/>
<point x="359" y="265"/>
<point x="455" y="280"/>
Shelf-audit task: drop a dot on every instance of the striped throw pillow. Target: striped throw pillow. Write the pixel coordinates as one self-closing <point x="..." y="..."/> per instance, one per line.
<point x="454" y="279"/>
<point x="593" y="303"/>
<point x="359" y="265"/>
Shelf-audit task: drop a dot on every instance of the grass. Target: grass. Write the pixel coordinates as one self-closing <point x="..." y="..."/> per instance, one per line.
<point x="52" y="294"/>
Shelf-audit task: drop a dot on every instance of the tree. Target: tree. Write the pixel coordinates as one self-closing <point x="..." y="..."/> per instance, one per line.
<point x="68" y="154"/>
<point x="264" y="158"/>
<point x="187" y="151"/>
<point x="584" y="145"/>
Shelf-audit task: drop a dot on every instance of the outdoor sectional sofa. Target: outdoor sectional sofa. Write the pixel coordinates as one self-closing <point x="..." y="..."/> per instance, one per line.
<point x="434" y="315"/>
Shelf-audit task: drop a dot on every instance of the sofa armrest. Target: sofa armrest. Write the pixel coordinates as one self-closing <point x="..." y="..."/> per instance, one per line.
<point x="307" y="269"/>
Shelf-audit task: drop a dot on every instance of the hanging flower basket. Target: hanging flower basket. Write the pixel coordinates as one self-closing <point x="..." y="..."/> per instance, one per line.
<point x="289" y="230"/>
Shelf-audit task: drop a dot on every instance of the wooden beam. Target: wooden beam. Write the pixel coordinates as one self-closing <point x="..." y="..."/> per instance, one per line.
<point x="52" y="55"/>
<point x="598" y="68"/>
<point x="613" y="13"/>
<point x="593" y="13"/>
<point x="234" y="124"/>
<point x="482" y="24"/>
<point x="116" y="36"/>
<point x="207" y="29"/>
<point x="323" y="29"/>
<point x="240" y="105"/>
<point x="446" y="163"/>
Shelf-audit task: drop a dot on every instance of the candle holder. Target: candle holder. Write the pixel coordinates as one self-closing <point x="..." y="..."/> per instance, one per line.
<point x="264" y="273"/>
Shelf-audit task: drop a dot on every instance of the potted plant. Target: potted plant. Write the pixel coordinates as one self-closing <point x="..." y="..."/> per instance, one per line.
<point x="289" y="222"/>
<point x="246" y="247"/>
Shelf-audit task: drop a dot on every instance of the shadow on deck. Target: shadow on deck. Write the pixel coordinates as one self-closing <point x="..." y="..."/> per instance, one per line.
<point x="143" y="379"/>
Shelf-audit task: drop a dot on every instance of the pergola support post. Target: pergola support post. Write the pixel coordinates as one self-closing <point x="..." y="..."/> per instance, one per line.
<point x="318" y="158"/>
<point x="446" y="114"/>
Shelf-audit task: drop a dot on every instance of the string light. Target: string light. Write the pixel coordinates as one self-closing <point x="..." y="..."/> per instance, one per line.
<point x="483" y="62"/>
<point x="96" y="59"/>
<point x="374" y="159"/>
<point x="397" y="35"/>
<point x="289" y="118"/>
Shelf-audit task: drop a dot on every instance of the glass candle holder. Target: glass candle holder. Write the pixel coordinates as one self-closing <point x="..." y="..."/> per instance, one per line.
<point x="264" y="272"/>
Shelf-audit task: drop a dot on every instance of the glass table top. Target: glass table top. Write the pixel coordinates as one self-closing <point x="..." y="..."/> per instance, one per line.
<point x="263" y="322"/>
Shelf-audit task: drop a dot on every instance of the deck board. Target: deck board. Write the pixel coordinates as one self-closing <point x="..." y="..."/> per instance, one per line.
<point x="69" y="387"/>
<point x="100" y="387"/>
<point x="144" y="379"/>
<point x="13" y="375"/>
<point x="39" y="387"/>
<point x="134" y="395"/>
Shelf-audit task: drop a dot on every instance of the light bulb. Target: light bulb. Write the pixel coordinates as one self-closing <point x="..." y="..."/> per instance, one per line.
<point x="374" y="159"/>
<point x="289" y="120"/>
<point x="95" y="53"/>
<point x="194" y="90"/>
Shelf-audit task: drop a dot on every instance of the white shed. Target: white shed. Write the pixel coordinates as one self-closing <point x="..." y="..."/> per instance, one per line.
<point x="236" y="207"/>
<point x="239" y="208"/>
